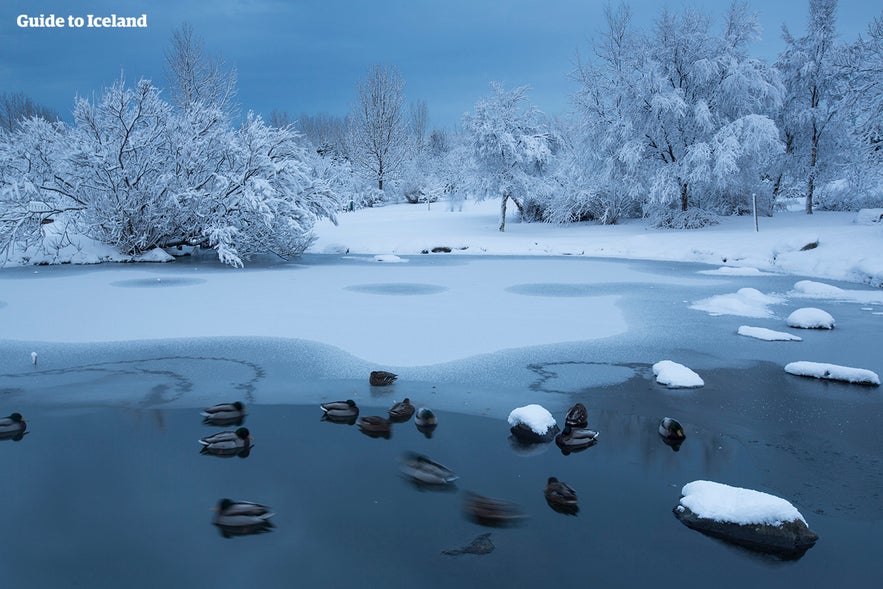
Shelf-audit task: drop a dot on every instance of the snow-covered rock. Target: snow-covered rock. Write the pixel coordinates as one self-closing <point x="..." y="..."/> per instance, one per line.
<point x="532" y="424"/>
<point x="833" y="372"/>
<point x="768" y="335"/>
<point x="157" y="254"/>
<point x="810" y="318"/>
<point x="676" y="376"/>
<point x="811" y="288"/>
<point x="746" y="517"/>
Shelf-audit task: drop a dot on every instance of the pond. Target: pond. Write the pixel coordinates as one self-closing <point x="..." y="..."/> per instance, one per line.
<point x="105" y="496"/>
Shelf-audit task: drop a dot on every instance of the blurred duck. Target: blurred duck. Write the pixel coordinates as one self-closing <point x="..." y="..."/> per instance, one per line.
<point x="381" y="378"/>
<point x="423" y="471"/>
<point x="488" y="511"/>
<point x="375" y="426"/>
<point x="224" y="414"/>
<point x="401" y="411"/>
<point x="239" y="518"/>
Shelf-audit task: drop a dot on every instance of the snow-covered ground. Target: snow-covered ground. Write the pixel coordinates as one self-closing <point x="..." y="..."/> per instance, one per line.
<point x="846" y="250"/>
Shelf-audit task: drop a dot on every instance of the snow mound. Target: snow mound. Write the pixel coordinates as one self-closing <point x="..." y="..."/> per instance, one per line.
<point x="767" y="334"/>
<point x="536" y="417"/>
<point x="746" y="302"/>
<point x="676" y="376"/>
<point x="810" y="318"/>
<point x="810" y="288"/>
<point x="157" y="254"/>
<point x="735" y="271"/>
<point x="869" y="216"/>
<point x="833" y="372"/>
<point x="723" y="503"/>
<point x="388" y="258"/>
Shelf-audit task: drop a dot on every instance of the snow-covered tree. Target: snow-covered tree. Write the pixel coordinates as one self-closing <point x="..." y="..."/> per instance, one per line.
<point x="196" y="78"/>
<point x="17" y="106"/>
<point x="378" y="134"/>
<point x="815" y="98"/>
<point x="681" y="114"/>
<point x="510" y="148"/>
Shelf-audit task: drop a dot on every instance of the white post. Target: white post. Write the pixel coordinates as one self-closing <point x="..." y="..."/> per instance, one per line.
<point x="754" y="204"/>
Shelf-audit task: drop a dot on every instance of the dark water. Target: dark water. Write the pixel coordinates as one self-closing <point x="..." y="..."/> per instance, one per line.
<point x="96" y="497"/>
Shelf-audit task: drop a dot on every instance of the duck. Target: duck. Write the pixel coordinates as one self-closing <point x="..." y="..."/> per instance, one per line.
<point x="426" y="421"/>
<point x="381" y="378"/>
<point x="340" y="411"/>
<point x="488" y="511"/>
<point x="574" y="439"/>
<point x="227" y="443"/>
<point x="237" y="518"/>
<point x="671" y="429"/>
<point x="577" y="416"/>
<point x="375" y="426"/>
<point x="12" y="427"/>
<point x="424" y="471"/>
<point x="401" y="411"/>
<point x="224" y="414"/>
<point x="560" y="496"/>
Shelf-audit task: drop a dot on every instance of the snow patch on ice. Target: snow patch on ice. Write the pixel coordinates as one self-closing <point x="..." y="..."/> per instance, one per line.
<point x="769" y="335"/>
<point x="810" y="289"/>
<point x="833" y="372"/>
<point x="391" y="258"/>
<point x="676" y="376"/>
<point x="536" y="417"/>
<point x="746" y="302"/>
<point x="735" y="271"/>
<point x="810" y="318"/>
<point x="723" y="503"/>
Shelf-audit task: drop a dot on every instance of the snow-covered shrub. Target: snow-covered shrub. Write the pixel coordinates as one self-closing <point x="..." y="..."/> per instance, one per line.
<point x="669" y="218"/>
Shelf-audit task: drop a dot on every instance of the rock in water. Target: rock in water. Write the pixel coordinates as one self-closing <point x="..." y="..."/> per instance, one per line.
<point x="481" y="545"/>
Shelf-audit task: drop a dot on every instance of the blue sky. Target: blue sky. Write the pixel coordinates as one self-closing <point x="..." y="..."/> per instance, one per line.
<point x="306" y="55"/>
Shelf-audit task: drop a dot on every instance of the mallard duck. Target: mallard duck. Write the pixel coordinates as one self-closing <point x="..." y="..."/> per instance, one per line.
<point x="12" y="427"/>
<point x="560" y="496"/>
<point x="577" y="416"/>
<point x="224" y="414"/>
<point x="574" y="439"/>
<point x="426" y="421"/>
<point x="671" y="429"/>
<point x="424" y="471"/>
<point x="381" y="378"/>
<point x="227" y="443"/>
<point x="237" y="518"/>
<point x="340" y="411"/>
<point x="401" y="411"/>
<point x="375" y="426"/>
<point x="488" y="511"/>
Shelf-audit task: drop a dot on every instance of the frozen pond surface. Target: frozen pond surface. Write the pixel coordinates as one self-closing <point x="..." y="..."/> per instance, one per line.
<point x="108" y="483"/>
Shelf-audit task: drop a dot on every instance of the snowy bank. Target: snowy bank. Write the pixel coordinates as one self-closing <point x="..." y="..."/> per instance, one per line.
<point x="676" y="376"/>
<point x="744" y="516"/>
<point x="833" y="372"/>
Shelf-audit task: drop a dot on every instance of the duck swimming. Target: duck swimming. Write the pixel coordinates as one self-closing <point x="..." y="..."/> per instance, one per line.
<point x="574" y="439"/>
<point x="340" y="411"/>
<point x="224" y="414"/>
<point x="401" y="411"/>
<point x="577" y="416"/>
<point x="423" y="471"/>
<point x="375" y="426"/>
<point x="230" y="443"/>
<point x="240" y="518"/>
<point x="671" y="429"/>
<point x="488" y="511"/>
<point x="560" y="496"/>
<point x="12" y="427"/>
<point x="426" y="421"/>
<point x="381" y="378"/>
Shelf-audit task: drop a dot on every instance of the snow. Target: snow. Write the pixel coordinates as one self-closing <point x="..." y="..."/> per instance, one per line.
<point x="833" y="372"/>
<point x="810" y="289"/>
<point x="390" y="258"/>
<point x="734" y="271"/>
<point x="869" y="216"/>
<point x="769" y="335"/>
<point x="676" y="376"/>
<point x="810" y="318"/>
<point x="536" y="417"/>
<point x="746" y="302"/>
<point x="723" y="503"/>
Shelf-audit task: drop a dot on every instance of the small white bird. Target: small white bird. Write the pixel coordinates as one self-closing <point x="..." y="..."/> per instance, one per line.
<point x="34" y="358"/>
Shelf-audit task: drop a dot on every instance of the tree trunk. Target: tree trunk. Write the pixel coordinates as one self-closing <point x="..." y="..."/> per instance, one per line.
<point x="503" y="213"/>
<point x="813" y="157"/>
<point x="684" y="196"/>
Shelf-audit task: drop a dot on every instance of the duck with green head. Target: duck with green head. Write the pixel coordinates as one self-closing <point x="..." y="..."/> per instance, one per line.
<point x="230" y="443"/>
<point x="224" y="414"/>
<point x="12" y="427"/>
